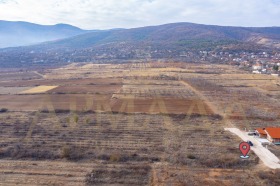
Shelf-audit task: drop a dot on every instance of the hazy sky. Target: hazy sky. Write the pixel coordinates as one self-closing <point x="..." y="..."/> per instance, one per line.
<point x="104" y="14"/>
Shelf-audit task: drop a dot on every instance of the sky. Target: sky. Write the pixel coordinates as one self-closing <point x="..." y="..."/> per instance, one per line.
<point x="107" y="14"/>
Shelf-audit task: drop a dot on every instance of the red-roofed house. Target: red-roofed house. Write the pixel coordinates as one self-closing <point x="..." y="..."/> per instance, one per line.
<point x="271" y="133"/>
<point x="261" y="133"/>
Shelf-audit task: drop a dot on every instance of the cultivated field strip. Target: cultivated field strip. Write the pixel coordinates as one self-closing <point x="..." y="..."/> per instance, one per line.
<point x="40" y="173"/>
<point x="60" y="82"/>
<point x="149" y="91"/>
<point x="166" y="174"/>
<point x="12" y="90"/>
<point x="14" y="76"/>
<point x="239" y="102"/>
<point x="146" y="139"/>
<point x="38" y="89"/>
<point x="48" y="135"/>
<point x="86" y="89"/>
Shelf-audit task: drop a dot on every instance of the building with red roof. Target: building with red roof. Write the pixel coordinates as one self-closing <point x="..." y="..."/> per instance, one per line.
<point x="261" y="133"/>
<point x="271" y="133"/>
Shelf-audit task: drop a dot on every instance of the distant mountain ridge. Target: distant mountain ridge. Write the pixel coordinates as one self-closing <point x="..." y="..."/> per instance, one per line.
<point x="20" y="33"/>
<point x="175" y="33"/>
<point x="67" y="36"/>
<point x="182" y="41"/>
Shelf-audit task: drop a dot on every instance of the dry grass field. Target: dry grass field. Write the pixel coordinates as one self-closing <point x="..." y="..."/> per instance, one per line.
<point x="134" y="124"/>
<point x="37" y="90"/>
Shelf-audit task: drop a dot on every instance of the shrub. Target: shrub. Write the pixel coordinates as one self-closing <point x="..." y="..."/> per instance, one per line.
<point x="2" y="110"/>
<point x="87" y="121"/>
<point x="104" y="157"/>
<point x="270" y="177"/>
<point x="114" y="158"/>
<point x="217" y="116"/>
<point x="64" y="125"/>
<point x="53" y="111"/>
<point x="192" y="157"/>
<point x="195" y="115"/>
<point x="66" y="152"/>
<point x="76" y="119"/>
<point x="61" y="111"/>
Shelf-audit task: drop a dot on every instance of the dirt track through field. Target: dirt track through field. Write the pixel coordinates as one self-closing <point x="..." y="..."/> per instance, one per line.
<point x="211" y="105"/>
<point x="39" y="74"/>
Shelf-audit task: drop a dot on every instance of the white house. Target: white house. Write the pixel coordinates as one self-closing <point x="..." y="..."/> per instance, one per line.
<point x="257" y="66"/>
<point x="256" y="72"/>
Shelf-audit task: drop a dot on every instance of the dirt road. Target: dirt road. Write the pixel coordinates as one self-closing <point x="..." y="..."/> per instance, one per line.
<point x="267" y="157"/>
<point x="210" y="104"/>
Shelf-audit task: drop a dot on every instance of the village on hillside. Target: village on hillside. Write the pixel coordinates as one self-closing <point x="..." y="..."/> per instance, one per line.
<point x="257" y="63"/>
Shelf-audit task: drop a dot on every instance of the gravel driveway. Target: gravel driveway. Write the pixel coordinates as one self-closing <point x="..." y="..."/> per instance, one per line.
<point x="267" y="157"/>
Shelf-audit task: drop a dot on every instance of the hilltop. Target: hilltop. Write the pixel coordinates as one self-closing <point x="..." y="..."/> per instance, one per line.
<point x="24" y="33"/>
<point x="175" y="33"/>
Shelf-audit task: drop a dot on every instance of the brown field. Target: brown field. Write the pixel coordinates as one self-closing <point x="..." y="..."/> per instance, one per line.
<point x="13" y="90"/>
<point x="134" y="124"/>
<point x="59" y="82"/>
<point x="77" y="102"/>
<point x="13" y="76"/>
<point x="163" y="105"/>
